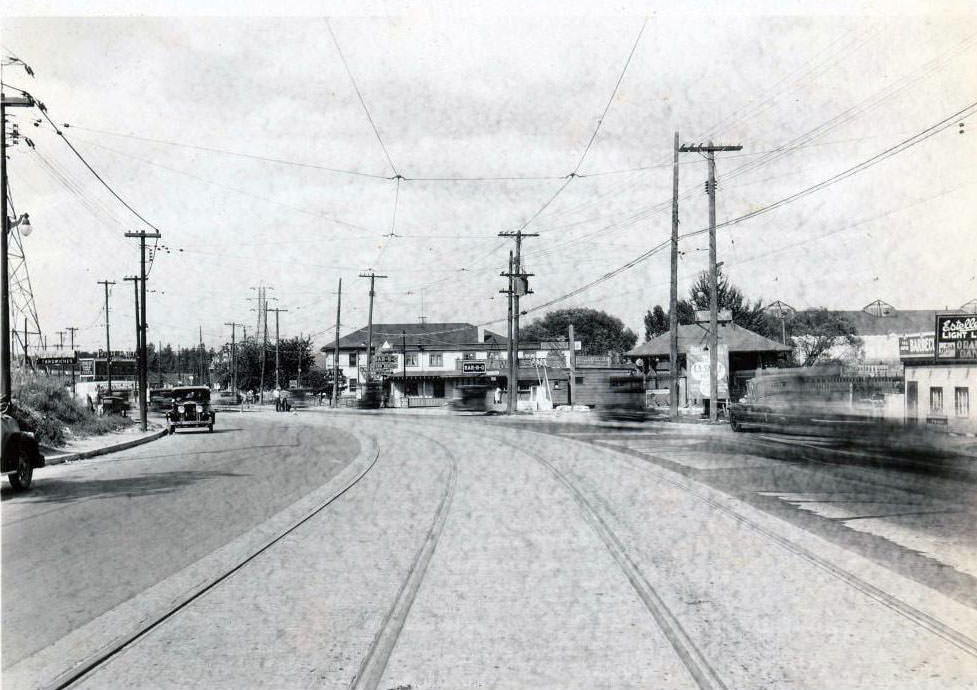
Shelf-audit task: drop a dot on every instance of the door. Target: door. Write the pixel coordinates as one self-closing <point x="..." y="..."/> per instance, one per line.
<point x="912" y="402"/>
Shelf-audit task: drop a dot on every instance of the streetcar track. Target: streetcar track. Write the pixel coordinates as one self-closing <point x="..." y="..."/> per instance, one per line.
<point x="685" y="648"/>
<point x="374" y="663"/>
<point x="100" y="658"/>
<point x="907" y="611"/>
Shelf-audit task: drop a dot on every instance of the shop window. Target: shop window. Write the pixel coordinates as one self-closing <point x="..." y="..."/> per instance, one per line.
<point x="352" y="359"/>
<point x="411" y="358"/>
<point x="412" y="388"/>
<point x="961" y="401"/>
<point x="578" y="379"/>
<point x="469" y="356"/>
<point x="936" y="400"/>
<point x="436" y="359"/>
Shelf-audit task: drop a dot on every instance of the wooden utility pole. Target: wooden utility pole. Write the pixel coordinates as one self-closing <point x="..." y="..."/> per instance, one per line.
<point x="710" y="152"/>
<point x="519" y="287"/>
<point x="72" y="330"/>
<point x="108" y="342"/>
<point x="135" y="292"/>
<point x="233" y="354"/>
<point x="673" y="294"/>
<point x="141" y="358"/>
<point x="369" y="345"/>
<point x="509" y="341"/>
<point x="572" y="362"/>
<point x="335" y="357"/>
<point x="277" y="311"/>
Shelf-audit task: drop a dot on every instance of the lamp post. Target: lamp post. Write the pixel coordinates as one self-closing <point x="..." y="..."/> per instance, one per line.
<point x="24" y="223"/>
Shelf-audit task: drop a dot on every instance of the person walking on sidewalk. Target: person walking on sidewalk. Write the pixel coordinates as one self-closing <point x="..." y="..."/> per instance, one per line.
<point x="278" y="399"/>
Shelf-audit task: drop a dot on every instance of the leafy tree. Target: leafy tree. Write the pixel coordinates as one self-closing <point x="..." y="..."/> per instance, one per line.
<point x="815" y="332"/>
<point x="746" y="314"/>
<point x="291" y="351"/>
<point x="656" y="322"/>
<point x="599" y="332"/>
<point x="320" y="380"/>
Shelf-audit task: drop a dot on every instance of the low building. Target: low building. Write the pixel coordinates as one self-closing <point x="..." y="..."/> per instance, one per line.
<point x="940" y="369"/>
<point x="422" y="364"/>
<point x="741" y="353"/>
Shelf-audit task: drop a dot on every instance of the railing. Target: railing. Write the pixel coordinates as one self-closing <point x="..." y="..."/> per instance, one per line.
<point x="416" y="401"/>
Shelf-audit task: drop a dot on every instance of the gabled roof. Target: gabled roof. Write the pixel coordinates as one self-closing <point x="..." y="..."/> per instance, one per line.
<point x="898" y="322"/>
<point x="738" y="339"/>
<point x="433" y="336"/>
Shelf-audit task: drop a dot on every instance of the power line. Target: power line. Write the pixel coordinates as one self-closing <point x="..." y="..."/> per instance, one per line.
<point x="611" y="99"/>
<point x="362" y="102"/>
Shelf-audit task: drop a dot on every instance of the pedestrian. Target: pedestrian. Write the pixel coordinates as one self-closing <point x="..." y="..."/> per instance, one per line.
<point x="278" y="399"/>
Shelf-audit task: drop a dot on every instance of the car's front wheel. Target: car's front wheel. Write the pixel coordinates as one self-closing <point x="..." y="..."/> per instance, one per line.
<point x="734" y="424"/>
<point x="21" y="478"/>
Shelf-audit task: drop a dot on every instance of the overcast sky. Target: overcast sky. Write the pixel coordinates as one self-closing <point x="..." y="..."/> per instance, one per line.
<point x="180" y="114"/>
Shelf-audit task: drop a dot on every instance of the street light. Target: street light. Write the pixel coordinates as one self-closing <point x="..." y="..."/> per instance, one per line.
<point x="24" y="223"/>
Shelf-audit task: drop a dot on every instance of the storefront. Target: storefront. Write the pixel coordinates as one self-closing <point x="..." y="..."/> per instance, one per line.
<point x="941" y="374"/>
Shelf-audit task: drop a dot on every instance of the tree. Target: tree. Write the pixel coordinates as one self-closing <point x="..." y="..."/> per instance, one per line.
<point x="656" y="322"/>
<point x="320" y="380"/>
<point x="249" y="355"/>
<point x="746" y="314"/>
<point x="816" y="332"/>
<point x="599" y="332"/>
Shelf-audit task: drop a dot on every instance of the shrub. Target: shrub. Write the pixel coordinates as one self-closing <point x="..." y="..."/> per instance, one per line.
<point x="44" y="407"/>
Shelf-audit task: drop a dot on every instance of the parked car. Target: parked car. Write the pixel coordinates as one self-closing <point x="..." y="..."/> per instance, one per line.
<point x="190" y="408"/>
<point x="21" y="455"/>
<point x="116" y="403"/>
<point x="301" y="397"/>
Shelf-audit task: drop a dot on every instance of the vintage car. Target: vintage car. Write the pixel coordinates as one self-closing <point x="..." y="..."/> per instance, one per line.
<point x="190" y="408"/>
<point x="160" y="399"/>
<point x="20" y="454"/>
<point x="115" y="403"/>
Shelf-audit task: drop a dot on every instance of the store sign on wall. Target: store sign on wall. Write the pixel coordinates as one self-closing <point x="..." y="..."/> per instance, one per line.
<point x="956" y="336"/>
<point x="919" y="345"/>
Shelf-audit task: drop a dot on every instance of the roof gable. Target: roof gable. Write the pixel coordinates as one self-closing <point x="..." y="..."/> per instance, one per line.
<point x="737" y="338"/>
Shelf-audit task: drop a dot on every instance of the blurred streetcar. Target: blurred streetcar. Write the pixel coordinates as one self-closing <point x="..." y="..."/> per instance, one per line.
<point x="623" y="399"/>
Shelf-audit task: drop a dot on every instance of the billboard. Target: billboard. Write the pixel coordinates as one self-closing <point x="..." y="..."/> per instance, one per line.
<point x="956" y="336"/>
<point x="471" y="367"/>
<point x="698" y="372"/>
<point x="917" y="345"/>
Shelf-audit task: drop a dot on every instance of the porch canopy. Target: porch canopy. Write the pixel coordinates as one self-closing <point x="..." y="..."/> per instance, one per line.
<point x="739" y="341"/>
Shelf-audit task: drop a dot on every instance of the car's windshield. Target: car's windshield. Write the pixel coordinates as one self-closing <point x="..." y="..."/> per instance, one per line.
<point x="194" y="395"/>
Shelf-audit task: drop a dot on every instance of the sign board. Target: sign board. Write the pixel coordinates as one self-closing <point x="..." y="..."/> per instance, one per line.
<point x="593" y="361"/>
<point x="554" y="345"/>
<point x="473" y="367"/>
<point x="56" y="361"/>
<point x="293" y="383"/>
<point x="698" y="360"/>
<point x="385" y="359"/>
<point x="917" y="345"/>
<point x="956" y="336"/>
<point x="722" y="315"/>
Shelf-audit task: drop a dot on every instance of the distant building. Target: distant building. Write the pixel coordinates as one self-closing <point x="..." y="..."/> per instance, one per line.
<point x="421" y="364"/>
<point x="880" y="336"/>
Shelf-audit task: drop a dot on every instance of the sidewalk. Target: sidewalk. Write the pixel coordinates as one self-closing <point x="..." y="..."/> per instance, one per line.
<point x="90" y="446"/>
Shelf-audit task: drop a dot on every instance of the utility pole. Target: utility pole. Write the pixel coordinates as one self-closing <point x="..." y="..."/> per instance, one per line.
<point x="277" y="311"/>
<point x="233" y="354"/>
<point x="572" y="362"/>
<point x="369" y="346"/>
<point x="335" y="357"/>
<point x="508" y="332"/>
<point x="60" y="340"/>
<point x="403" y="351"/>
<point x="5" y="102"/>
<point x="141" y="359"/>
<point x="135" y="291"/>
<point x="72" y="330"/>
<point x="262" y="327"/>
<point x="519" y="286"/>
<point x="108" y="343"/>
<point x="710" y="152"/>
<point x="673" y="294"/>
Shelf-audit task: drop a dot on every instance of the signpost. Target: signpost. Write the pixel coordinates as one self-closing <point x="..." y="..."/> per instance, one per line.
<point x="956" y="337"/>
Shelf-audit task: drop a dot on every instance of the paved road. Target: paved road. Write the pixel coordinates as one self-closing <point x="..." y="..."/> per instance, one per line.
<point x="464" y="553"/>
<point x="92" y="534"/>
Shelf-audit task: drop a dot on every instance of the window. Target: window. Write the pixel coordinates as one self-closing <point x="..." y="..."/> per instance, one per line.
<point x="936" y="400"/>
<point x="469" y="356"/>
<point x="961" y="402"/>
<point x="411" y="358"/>
<point x="578" y="379"/>
<point x="352" y="359"/>
<point x="352" y="385"/>
<point x="436" y="359"/>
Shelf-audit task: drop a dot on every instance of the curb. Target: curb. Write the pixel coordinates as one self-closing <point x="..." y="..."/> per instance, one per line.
<point x="124" y="445"/>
